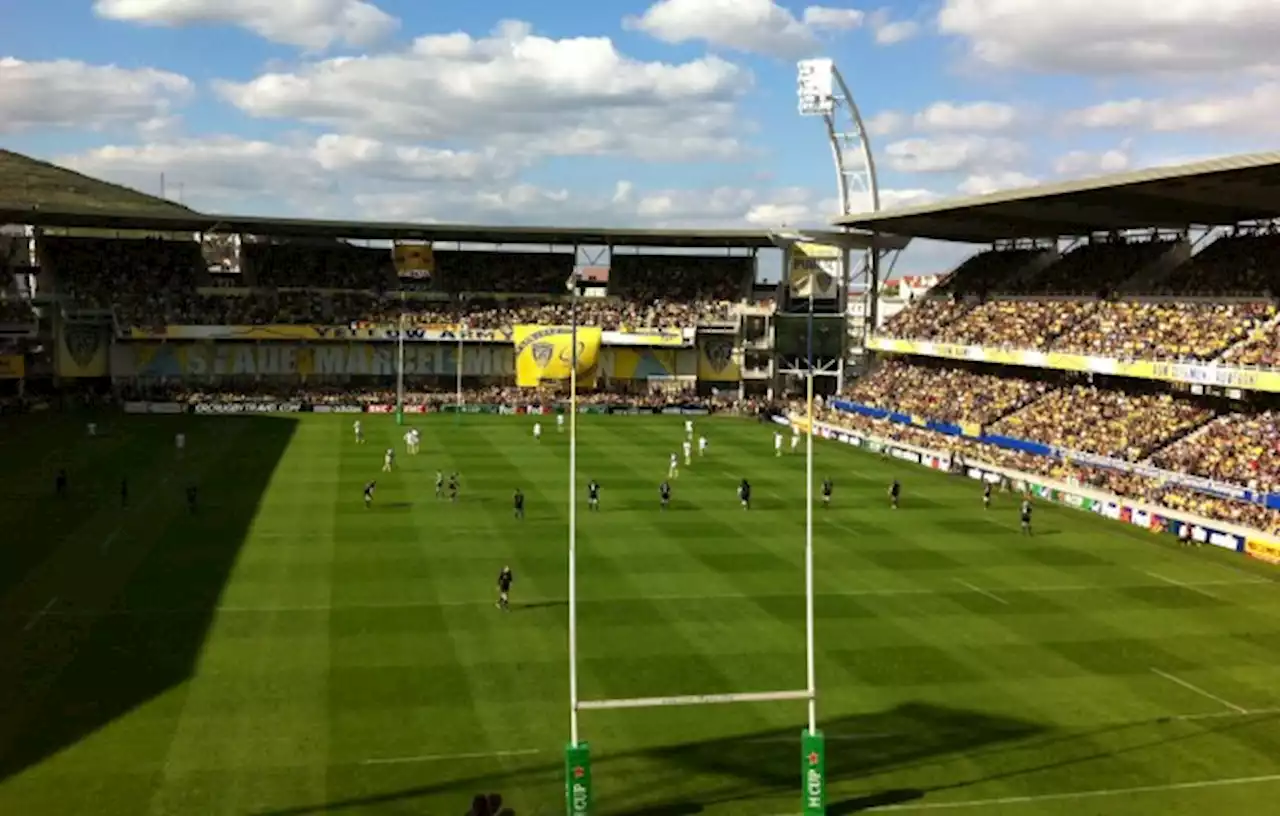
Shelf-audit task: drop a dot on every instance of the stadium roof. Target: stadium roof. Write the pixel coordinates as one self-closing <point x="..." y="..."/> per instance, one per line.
<point x="1209" y="193"/>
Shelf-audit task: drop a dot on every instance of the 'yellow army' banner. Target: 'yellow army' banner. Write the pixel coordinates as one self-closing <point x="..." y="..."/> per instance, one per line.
<point x="546" y="353"/>
<point x="83" y="350"/>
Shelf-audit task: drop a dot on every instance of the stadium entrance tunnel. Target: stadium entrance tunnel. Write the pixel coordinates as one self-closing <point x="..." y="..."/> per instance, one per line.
<point x="726" y="773"/>
<point x="109" y="591"/>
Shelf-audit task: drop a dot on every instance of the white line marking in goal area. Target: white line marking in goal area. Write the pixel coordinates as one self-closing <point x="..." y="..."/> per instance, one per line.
<point x="1183" y="585"/>
<point x="693" y="699"/>
<point x="982" y="591"/>
<point x="1200" y="691"/>
<point x="450" y="757"/>
<point x="1093" y="794"/>
<point x="37" y="616"/>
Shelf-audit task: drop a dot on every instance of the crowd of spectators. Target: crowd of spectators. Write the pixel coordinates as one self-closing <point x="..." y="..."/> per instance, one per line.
<point x="987" y="271"/>
<point x="1093" y="268"/>
<point x="946" y="393"/>
<point x="925" y="319"/>
<point x="1191" y="330"/>
<point x="1016" y="323"/>
<point x="1121" y="483"/>
<point x="1239" y="265"/>
<point x="1103" y="421"/>
<point x="323" y="265"/>
<point x="153" y="283"/>
<point x="1239" y="448"/>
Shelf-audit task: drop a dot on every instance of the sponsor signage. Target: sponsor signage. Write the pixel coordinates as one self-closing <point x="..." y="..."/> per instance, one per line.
<point x="1203" y="374"/>
<point x="338" y="409"/>
<point x="246" y="407"/>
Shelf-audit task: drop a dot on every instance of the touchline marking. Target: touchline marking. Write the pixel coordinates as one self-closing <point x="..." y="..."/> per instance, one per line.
<point x="1200" y="691"/>
<point x="982" y="591"/>
<point x="37" y="616"/>
<point x="1093" y="794"/>
<point x="450" y="757"/>
<point x="1183" y="585"/>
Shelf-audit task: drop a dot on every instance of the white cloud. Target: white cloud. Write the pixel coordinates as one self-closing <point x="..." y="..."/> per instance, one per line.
<point x="892" y="199"/>
<point x="224" y="169"/>
<point x="887" y="123"/>
<point x="896" y="32"/>
<point x="516" y="91"/>
<point x="953" y="154"/>
<point x="312" y="24"/>
<point x="891" y="32"/>
<point x="981" y="184"/>
<point x="1085" y="163"/>
<point x="972" y="116"/>
<point x="751" y="26"/>
<point x="626" y="205"/>
<point x="1117" y="36"/>
<point x="66" y="93"/>
<point x="1256" y="112"/>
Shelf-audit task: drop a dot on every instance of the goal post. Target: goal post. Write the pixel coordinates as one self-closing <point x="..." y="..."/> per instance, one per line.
<point x="579" y="791"/>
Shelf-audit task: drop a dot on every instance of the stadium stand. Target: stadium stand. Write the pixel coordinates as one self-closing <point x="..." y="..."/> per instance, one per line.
<point x="152" y="283"/>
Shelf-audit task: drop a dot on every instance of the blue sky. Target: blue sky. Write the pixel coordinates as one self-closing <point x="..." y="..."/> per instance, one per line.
<point x="676" y="113"/>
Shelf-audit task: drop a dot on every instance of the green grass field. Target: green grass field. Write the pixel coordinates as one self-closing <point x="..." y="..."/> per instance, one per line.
<point x="285" y="651"/>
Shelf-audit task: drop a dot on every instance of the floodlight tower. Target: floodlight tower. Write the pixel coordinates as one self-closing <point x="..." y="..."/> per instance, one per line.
<point x="823" y="93"/>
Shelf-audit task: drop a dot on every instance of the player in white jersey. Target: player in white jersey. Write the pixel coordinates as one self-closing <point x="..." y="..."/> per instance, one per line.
<point x="359" y="429"/>
<point x="688" y="452"/>
<point x="688" y="429"/>
<point x="673" y="470"/>
<point x="702" y="446"/>
<point x="537" y="431"/>
<point x="388" y="460"/>
<point x="777" y="444"/>
<point x="417" y="440"/>
<point x="560" y="423"/>
<point x="411" y="440"/>
<point x="795" y="440"/>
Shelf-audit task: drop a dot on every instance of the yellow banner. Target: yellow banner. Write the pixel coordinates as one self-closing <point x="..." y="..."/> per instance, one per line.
<point x="640" y="364"/>
<point x="1220" y="376"/>
<point x="1263" y="550"/>
<point x="414" y="260"/>
<point x="82" y="350"/>
<point x="12" y="366"/>
<point x="545" y="353"/>
<point x="717" y="360"/>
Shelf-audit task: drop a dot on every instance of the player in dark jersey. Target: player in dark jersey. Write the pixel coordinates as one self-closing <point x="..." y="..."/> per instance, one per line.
<point x="744" y="494"/>
<point x="895" y="492"/>
<point x="368" y="494"/>
<point x="60" y="483"/>
<point x="986" y="495"/>
<point x="664" y="492"/>
<point x="517" y="501"/>
<point x="453" y="487"/>
<point x="1026" y="516"/>
<point x="505" y="579"/>
<point x="593" y="495"/>
<point x="827" y="487"/>
<point x="192" y="495"/>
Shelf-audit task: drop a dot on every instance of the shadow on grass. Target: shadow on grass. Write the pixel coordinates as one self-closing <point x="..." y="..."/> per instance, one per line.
<point x="126" y="623"/>
<point x="686" y="779"/>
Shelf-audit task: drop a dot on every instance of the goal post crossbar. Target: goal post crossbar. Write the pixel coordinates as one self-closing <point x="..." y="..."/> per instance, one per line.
<point x="694" y="699"/>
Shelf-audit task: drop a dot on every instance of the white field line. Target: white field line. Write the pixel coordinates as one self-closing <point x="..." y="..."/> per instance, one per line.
<point x="982" y="591"/>
<point x="37" y="616"/>
<point x="1200" y="691"/>
<point x="852" y="593"/>
<point x="450" y="757"/>
<point x="1183" y="585"/>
